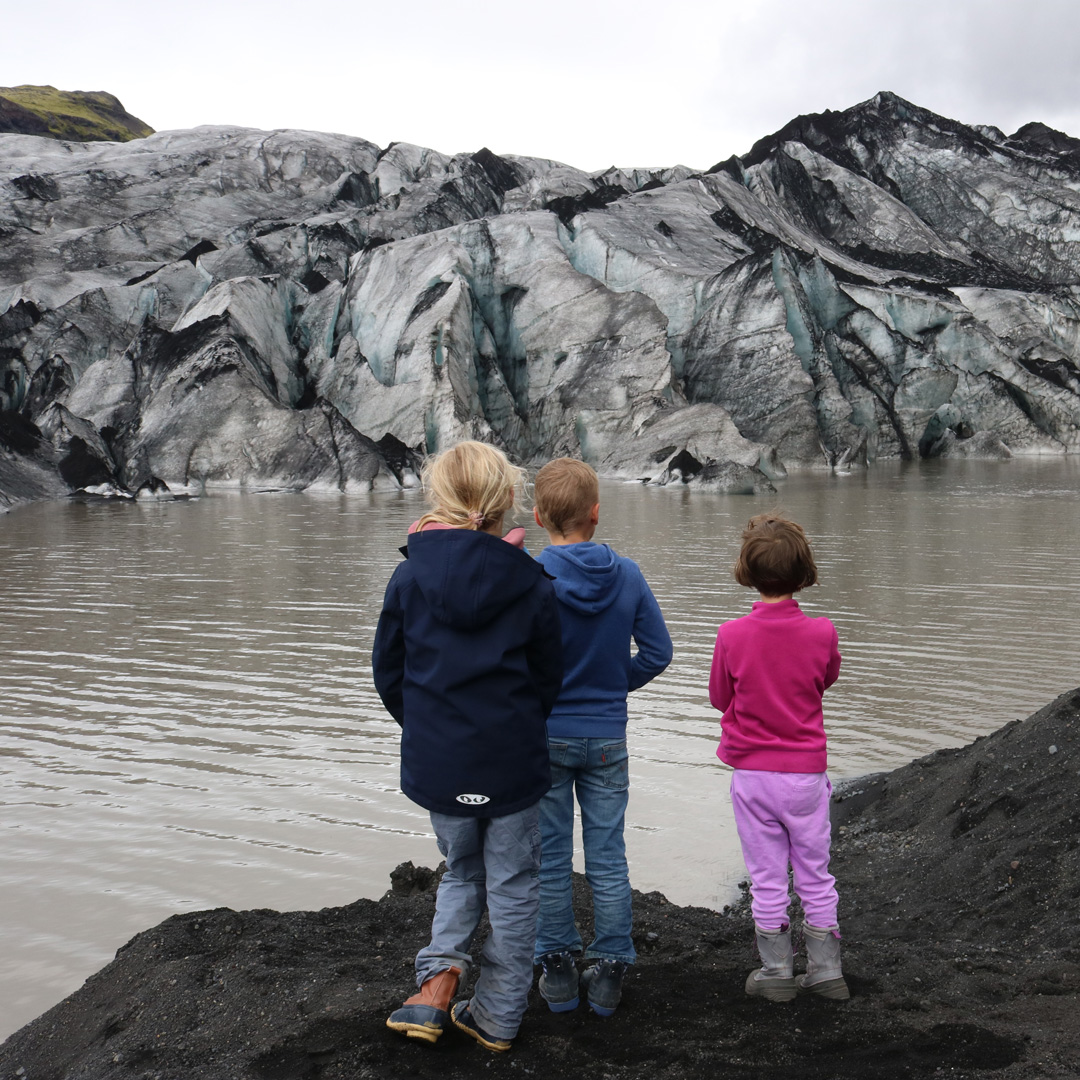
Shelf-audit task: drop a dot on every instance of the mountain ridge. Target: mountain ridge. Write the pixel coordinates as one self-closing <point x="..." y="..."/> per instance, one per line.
<point x="78" y="115"/>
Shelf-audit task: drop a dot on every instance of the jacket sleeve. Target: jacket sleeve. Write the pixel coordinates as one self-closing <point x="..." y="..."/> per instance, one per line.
<point x="653" y="641"/>
<point x="388" y="653"/>
<point x="832" y="669"/>
<point x="721" y="684"/>
<point x="545" y="651"/>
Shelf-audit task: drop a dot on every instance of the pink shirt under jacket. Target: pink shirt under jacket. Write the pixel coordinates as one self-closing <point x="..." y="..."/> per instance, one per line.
<point x="769" y="671"/>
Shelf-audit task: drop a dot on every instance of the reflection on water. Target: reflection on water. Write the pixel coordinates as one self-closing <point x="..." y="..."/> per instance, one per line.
<point x="188" y="719"/>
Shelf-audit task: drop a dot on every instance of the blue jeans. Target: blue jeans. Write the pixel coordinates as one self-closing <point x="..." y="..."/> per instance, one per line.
<point x="597" y="769"/>
<point x="490" y="862"/>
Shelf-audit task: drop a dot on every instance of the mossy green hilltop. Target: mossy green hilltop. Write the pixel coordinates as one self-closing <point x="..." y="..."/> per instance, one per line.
<point x="77" y="115"/>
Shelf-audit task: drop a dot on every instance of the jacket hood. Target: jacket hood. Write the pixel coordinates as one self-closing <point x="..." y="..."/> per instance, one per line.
<point x="468" y="578"/>
<point x="586" y="575"/>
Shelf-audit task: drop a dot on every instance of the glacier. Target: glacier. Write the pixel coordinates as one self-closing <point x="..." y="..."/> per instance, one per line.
<point x="295" y="310"/>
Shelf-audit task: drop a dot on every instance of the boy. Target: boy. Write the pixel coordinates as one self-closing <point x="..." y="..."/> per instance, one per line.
<point x="603" y="603"/>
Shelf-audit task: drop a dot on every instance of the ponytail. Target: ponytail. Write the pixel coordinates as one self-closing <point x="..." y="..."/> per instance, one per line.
<point x="469" y="486"/>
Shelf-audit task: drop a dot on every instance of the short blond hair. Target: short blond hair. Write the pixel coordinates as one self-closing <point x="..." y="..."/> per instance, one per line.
<point x="469" y="486"/>
<point x="564" y="492"/>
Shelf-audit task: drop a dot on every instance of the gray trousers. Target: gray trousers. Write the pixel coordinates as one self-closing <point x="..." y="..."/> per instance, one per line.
<point x="492" y="862"/>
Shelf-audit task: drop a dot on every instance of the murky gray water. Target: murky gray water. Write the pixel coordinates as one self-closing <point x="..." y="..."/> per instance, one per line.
<point x="187" y="720"/>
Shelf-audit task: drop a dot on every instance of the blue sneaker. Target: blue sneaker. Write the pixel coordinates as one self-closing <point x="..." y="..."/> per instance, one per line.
<point x="603" y="984"/>
<point x="462" y="1017"/>
<point x="559" y="981"/>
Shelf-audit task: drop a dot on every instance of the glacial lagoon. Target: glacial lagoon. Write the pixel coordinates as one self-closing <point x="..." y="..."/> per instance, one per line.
<point x="187" y="719"/>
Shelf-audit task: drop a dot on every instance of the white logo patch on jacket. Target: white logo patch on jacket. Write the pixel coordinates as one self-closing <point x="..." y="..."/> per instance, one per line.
<point x="473" y="800"/>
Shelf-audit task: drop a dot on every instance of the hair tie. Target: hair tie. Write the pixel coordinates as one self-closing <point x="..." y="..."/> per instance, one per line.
<point x="476" y="518"/>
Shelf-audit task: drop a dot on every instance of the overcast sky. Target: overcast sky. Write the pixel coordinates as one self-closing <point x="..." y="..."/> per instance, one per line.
<point x="589" y="82"/>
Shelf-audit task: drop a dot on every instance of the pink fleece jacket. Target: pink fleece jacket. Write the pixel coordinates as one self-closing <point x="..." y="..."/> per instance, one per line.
<point x="769" y="671"/>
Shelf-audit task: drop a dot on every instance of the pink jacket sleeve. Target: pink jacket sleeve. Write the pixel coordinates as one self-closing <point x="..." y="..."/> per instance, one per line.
<point x="832" y="670"/>
<point x="721" y="686"/>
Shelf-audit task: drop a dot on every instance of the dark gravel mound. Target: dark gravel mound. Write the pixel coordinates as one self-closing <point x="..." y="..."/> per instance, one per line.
<point x="959" y="878"/>
<point x="974" y="851"/>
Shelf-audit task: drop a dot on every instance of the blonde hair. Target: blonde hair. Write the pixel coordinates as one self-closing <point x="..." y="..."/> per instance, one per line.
<point x="775" y="558"/>
<point x="469" y="486"/>
<point x="565" y="490"/>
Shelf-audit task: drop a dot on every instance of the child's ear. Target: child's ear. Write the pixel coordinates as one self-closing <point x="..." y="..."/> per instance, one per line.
<point x="536" y="517"/>
<point x="594" y="515"/>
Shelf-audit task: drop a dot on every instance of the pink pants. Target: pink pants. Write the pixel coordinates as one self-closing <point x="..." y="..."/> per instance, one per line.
<point x="783" y="818"/>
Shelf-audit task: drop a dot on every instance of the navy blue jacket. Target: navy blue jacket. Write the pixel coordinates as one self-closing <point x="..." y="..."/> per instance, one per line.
<point x="604" y="601"/>
<point x="468" y="659"/>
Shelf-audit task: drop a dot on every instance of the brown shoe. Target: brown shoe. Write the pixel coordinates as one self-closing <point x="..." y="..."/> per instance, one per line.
<point x="424" y="1015"/>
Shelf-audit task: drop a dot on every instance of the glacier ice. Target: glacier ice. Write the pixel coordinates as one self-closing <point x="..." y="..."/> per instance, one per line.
<point x="297" y="309"/>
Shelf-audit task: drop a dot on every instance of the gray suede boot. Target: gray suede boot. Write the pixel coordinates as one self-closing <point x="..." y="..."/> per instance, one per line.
<point x="823" y="975"/>
<point x="774" y="980"/>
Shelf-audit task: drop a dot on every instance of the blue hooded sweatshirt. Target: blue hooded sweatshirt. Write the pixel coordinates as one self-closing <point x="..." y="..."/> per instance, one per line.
<point x="467" y="659"/>
<point x="604" y="601"/>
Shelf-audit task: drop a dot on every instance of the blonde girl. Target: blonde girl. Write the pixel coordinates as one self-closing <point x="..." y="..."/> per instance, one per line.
<point x="468" y="660"/>
<point x="470" y="486"/>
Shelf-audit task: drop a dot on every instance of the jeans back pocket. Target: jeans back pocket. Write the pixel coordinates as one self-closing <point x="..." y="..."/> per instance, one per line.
<point x="614" y="766"/>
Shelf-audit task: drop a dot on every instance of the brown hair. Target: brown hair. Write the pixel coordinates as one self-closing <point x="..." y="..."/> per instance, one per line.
<point x="469" y="486"/>
<point x="775" y="557"/>
<point x="565" y="490"/>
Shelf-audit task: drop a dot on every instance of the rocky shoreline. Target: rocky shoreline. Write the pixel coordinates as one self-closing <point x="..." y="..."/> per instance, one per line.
<point x="959" y="876"/>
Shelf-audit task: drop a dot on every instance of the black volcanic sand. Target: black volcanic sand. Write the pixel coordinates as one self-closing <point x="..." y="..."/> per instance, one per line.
<point x="959" y="878"/>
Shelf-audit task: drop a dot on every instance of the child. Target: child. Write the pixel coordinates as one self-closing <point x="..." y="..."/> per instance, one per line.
<point x="467" y="660"/>
<point x="769" y="672"/>
<point x="603" y="602"/>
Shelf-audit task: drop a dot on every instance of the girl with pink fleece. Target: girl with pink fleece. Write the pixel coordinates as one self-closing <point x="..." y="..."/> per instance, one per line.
<point x="769" y="672"/>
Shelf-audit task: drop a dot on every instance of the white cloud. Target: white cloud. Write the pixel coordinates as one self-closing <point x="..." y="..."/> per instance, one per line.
<point x="591" y="82"/>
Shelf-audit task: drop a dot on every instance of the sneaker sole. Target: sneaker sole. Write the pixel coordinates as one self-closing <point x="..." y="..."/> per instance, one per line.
<point x="833" y="989"/>
<point x="771" y="989"/>
<point x="416" y="1031"/>
<point x="498" y="1045"/>
<point x="562" y="1006"/>
<point x="602" y="1010"/>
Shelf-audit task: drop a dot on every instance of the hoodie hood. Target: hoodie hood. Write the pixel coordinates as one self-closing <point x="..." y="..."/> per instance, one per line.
<point x="587" y="576"/>
<point x="468" y="578"/>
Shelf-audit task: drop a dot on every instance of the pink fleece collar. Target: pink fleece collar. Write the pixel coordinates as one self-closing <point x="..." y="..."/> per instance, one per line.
<point x="777" y="610"/>
<point x="515" y="536"/>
